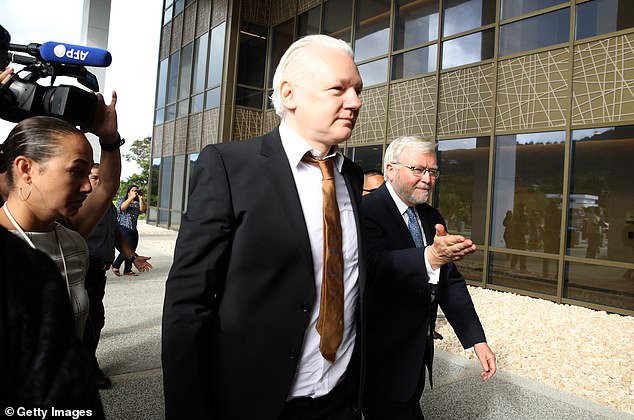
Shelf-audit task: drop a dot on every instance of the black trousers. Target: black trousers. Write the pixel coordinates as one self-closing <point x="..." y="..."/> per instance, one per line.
<point x="96" y="288"/>
<point x="339" y="404"/>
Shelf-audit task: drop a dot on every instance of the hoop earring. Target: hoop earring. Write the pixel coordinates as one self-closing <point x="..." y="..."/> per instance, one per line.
<point x="27" y="197"/>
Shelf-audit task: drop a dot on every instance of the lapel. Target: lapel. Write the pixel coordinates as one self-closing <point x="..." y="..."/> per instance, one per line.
<point x="354" y="191"/>
<point x="275" y="163"/>
<point x="428" y="228"/>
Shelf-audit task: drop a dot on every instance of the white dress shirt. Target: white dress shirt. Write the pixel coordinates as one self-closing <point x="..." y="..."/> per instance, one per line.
<point x="315" y="375"/>
<point x="434" y="275"/>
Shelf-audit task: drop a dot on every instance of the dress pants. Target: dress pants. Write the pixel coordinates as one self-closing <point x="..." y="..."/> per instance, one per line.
<point x="339" y="404"/>
<point x="96" y="288"/>
<point x="132" y="236"/>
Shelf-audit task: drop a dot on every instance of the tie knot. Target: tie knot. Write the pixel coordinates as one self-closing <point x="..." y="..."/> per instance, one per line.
<point x="326" y="166"/>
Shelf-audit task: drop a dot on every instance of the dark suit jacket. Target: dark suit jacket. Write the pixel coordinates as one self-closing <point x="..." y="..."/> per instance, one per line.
<point x="238" y="296"/>
<point x="400" y="313"/>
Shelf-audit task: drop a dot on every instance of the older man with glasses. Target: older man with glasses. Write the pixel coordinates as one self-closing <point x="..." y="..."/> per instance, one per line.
<point x="411" y="269"/>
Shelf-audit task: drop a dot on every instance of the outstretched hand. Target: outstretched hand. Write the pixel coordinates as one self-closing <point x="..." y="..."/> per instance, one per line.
<point x="447" y="248"/>
<point x="142" y="264"/>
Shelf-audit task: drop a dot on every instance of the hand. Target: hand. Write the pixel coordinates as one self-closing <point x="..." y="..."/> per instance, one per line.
<point x="487" y="360"/>
<point x="447" y="248"/>
<point x="104" y="125"/>
<point x="141" y="263"/>
<point x="6" y="74"/>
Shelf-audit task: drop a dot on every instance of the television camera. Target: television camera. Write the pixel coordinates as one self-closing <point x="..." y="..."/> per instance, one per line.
<point x="23" y="97"/>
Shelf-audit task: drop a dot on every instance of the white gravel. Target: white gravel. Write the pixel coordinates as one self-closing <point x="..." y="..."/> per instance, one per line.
<point x="578" y="350"/>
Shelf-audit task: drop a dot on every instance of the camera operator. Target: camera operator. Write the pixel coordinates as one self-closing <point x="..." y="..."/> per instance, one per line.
<point x="128" y="210"/>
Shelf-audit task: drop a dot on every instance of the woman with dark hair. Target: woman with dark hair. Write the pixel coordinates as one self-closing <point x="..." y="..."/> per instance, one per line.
<point x="128" y="210"/>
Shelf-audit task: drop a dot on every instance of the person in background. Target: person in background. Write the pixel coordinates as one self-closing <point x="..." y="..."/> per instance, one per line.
<point x="372" y="180"/>
<point x="261" y="315"/>
<point x="128" y="210"/>
<point x="101" y="245"/>
<point x="412" y="272"/>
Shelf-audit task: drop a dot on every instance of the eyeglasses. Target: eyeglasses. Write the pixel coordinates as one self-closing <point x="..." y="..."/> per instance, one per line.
<point x="420" y="172"/>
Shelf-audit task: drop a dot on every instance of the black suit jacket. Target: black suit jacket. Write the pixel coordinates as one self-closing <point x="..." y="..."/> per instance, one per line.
<point x="239" y="293"/>
<point x="400" y="313"/>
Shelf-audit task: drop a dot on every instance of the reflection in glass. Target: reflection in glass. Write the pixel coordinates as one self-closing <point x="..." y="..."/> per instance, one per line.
<point x="178" y="182"/>
<point x="182" y="108"/>
<point x="611" y="286"/>
<point x="530" y="278"/>
<point x="252" y="55"/>
<point x="600" y="17"/>
<point x="527" y="193"/>
<point x="512" y="8"/>
<point x="160" y="116"/>
<point x="213" y="98"/>
<point x="461" y="191"/>
<point x="172" y="83"/>
<point x="416" y="22"/>
<point x="161" y="87"/>
<point x="191" y="166"/>
<point x="308" y="22"/>
<point x="468" y="49"/>
<point x="197" y="103"/>
<point x="170" y="112"/>
<point x="463" y="15"/>
<point x="167" y="16"/>
<point x="337" y="18"/>
<point x="472" y="266"/>
<point x="414" y="62"/>
<point x="166" y="182"/>
<point x="372" y="29"/>
<point x="151" y="214"/>
<point x="187" y="55"/>
<point x="175" y="219"/>
<point x="281" y="39"/>
<point x="601" y="210"/>
<point x="374" y="72"/>
<point x="536" y="32"/>
<point x="200" y="64"/>
<point x="216" y="56"/>
<point x="251" y="98"/>
<point x="367" y="157"/>
<point x="154" y="179"/>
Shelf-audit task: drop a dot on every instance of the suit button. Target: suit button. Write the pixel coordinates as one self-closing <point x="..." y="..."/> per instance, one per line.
<point x="292" y="354"/>
<point x="305" y="307"/>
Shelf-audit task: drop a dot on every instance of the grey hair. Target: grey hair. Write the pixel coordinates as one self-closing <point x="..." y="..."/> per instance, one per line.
<point x="297" y="59"/>
<point x="419" y="144"/>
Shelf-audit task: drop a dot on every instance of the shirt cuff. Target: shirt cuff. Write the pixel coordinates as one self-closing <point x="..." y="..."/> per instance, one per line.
<point x="434" y="275"/>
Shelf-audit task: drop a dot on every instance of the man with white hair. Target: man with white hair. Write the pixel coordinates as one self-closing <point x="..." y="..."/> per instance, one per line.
<point x="260" y="317"/>
<point x="410" y="261"/>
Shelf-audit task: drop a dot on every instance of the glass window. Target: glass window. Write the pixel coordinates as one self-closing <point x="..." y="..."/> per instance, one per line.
<point x="611" y="286"/>
<point x="527" y="194"/>
<point x="160" y="116"/>
<point x="603" y="16"/>
<point x="368" y="157"/>
<point x="167" y="16"/>
<point x="161" y="87"/>
<point x="200" y="64"/>
<point x="461" y="190"/>
<point x="529" y="277"/>
<point x="281" y="39"/>
<point x="182" y="108"/>
<point x="251" y="98"/>
<point x="191" y="166"/>
<point x="154" y="177"/>
<point x="337" y="18"/>
<point x="252" y="56"/>
<point x="468" y="49"/>
<point x="170" y="112"/>
<point x="535" y="32"/>
<point x="213" y="98"/>
<point x="416" y="22"/>
<point x="372" y="29"/>
<point x="186" y="71"/>
<point x="178" y="182"/>
<point x="414" y="62"/>
<point x="179" y="6"/>
<point x="172" y="85"/>
<point x="601" y="210"/>
<point x="166" y="182"/>
<point x="216" y="56"/>
<point x="374" y="72"/>
<point x="197" y="103"/>
<point x="308" y="22"/>
<point x="463" y="15"/>
<point x="512" y="8"/>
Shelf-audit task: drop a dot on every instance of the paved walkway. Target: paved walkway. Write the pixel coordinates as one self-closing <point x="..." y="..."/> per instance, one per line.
<point x="129" y="352"/>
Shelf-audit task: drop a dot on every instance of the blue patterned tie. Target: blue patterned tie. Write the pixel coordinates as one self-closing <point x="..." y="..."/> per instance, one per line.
<point x="414" y="228"/>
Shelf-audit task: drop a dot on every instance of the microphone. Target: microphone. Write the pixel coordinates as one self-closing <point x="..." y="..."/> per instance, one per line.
<point x="59" y="52"/>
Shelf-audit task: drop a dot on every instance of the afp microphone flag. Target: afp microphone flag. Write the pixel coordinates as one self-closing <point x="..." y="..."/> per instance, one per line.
<point x="59" y="52"/>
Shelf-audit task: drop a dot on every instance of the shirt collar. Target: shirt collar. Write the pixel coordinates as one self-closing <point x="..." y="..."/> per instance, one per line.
<point x="402" y="207"/>
<point x="296" y="147"/>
